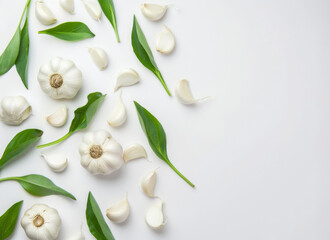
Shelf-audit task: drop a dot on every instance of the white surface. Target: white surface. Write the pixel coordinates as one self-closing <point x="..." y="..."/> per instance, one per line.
<point x="258" y="151"/>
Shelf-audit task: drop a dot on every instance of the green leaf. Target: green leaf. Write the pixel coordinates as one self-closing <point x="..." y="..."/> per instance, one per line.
<point x="95" y="221"/>
<point x="144" y="54"/>
<point x="8" y="220"/>
<point x="82" y="116"/>
<point x="22" y="59"/>
<point x="69" y="31"/>
<point x="19" y="144"/>
<point x="9" y="56"/>
<point x="109" y="11"/>
<point x="156" y="136"/>
<point x="39" y="185"/>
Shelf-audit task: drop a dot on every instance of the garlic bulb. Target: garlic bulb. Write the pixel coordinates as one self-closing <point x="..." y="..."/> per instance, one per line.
<point x="134" y="151"/>
<point x="153" y="12"/>
<point x="127" y="77"/>
<point x="119" y="212"/>
<point x="100" y="153"/>
<point x="60" y="78"/>
<point x="118" y="115"/>
<point x="93" y="8"/>
<point x="183" y="93"/>
<point x="165" y="42"/>
<point x="67" y="5"/>
<point x="44" y="14"/>
<point x="154" y="216"/>
<point x="56" y="162"/>
<point x="41" y="222"/>
<point x="99" y="57"/>
<point x="14" y="110"/>
<point x="148" y="183"/>
<point x="59" y="117"/>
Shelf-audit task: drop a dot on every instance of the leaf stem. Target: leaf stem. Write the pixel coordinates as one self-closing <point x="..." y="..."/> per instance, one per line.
<point x="27" y="6"/>
<point x="177" y="171"/>
<point x="7" y="179"/>
<point x="55" y="142"/>
<point x="161" y="79"/>
<point x="117" y="35"/>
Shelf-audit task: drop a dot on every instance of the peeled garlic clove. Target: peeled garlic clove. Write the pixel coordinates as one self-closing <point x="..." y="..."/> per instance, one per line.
<point x="56" y="162"/>
<point x="67" y="5"/>
<point x="93" y="9"/>
<point x="119" y="212"/>
<point x="99" y="57"/>
<point x="118" y="115"/>
<point x="127" y="77"/>
<point x="148" y="183"/>
<point x="44" y="14"/>
<point x="134" y="151"/>
<point x="165" y="42"/>
<point x="153" y="12"/>
<point x="183" y="93"/>
<point x="58" y="118"/>
<point x="78" y="236"/>
<point x="15" y="109"/>
<point x="154" y="216"/>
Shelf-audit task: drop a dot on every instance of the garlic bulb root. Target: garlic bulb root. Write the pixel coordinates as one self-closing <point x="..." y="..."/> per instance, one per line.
<point x="15" y="109"/>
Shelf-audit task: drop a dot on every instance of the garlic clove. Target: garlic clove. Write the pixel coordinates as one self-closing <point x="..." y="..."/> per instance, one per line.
<point x="165" y="42"/>
<point x="67" y="5"/>
<point x="153" y="12"/>
<point x="93" y="9"/>
<point x="118" y="115"/>
<point x="15" y="109"/>
<point x="77" y="236"/>
<point x="119" y="212"/>
<point x="183" y="93"/>
<point x="58" y="118"/>
<point x="154" y="216"/>
<point x="56" y="162"/>
<point x="148" y="183"/>
<point x="134" y="151"/>
<point x="127" y="77"/>
<point x="44" y="14"/>
<point x="99" y="57"/>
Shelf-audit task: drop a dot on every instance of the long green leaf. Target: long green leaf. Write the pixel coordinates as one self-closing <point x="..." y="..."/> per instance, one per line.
<point x="82" y="116"/>
<point x="22" y="59"/>
<point x="109" y="11"/>
<point x="156" y="136"/>
<point x="8" y="220"/>
<point x="9" y="56"/>
<point x="69" y="31"/>
<point x="95" y="221"/>
<point x="144" y="54"/>
<point x="19" y="144"/>
<point x="39" y="185"/>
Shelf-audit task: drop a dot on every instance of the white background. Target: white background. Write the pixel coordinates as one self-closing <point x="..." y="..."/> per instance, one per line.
<point x="258" y="150"/>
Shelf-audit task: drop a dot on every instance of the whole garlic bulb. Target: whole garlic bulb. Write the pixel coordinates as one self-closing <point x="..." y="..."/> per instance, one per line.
<point x="14" y="110"/>
<point x="41" y="222"/>
<point x="60" y="78"/>
<point x="100" y="153"/>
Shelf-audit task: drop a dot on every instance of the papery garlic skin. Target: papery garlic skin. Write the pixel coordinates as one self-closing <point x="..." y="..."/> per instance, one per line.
<point x="15" y="109"/>
<point x="59" y="117"/>
<point x="154" y="216"/>
<point x="99" y="56"/>
<point x="134" y="151"/>
<point x="44" y="14"/>
<point x="67" y="5"/>
<point x="148" y="182"/>
<point x="183" y="93"/>
<point x="165" y="42"/>
<point x="100" y="153"/>
<point x="118" y="114"/>
<point x="93" y="8"/>
<point x="60" y="78"/>
<point x="41" y="222"/>
<point x="56" y="162"/>
<point x="153" y="12"/>
<point x="127" y="77"/>
<point x="119" y="212"/>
